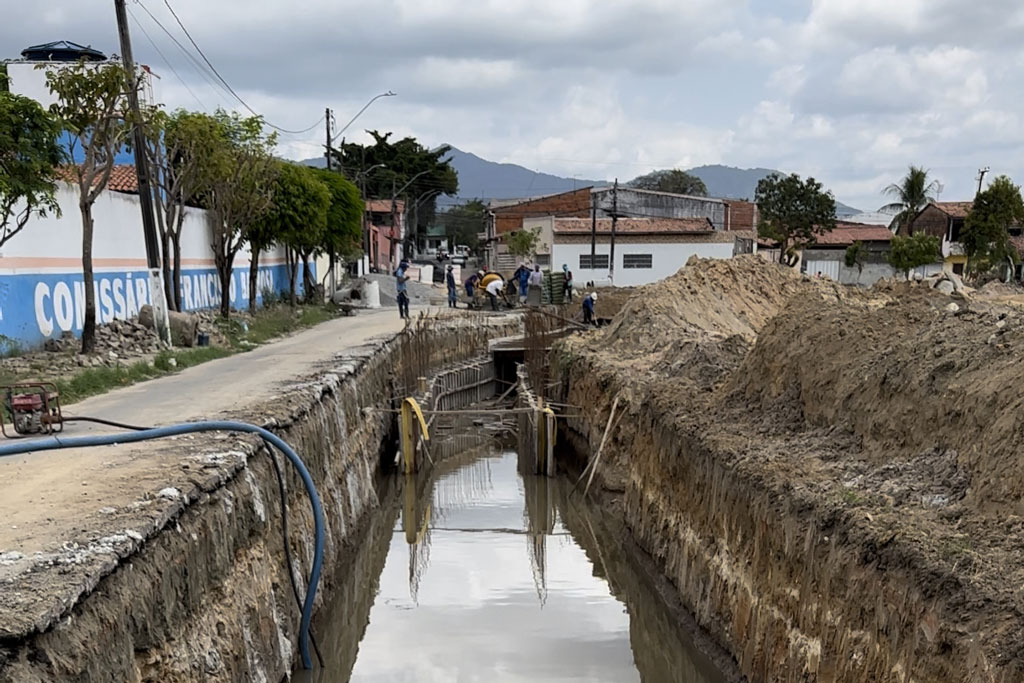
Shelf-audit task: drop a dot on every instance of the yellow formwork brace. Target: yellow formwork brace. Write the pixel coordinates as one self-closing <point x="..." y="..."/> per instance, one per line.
<point x="411" y="410"/>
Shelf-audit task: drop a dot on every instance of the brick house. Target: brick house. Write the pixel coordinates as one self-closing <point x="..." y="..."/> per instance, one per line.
<point x="944" y="220"/>
<point x="386" y="225"/>
<point x="827" y="256"/>
<point x="506" y="218"/>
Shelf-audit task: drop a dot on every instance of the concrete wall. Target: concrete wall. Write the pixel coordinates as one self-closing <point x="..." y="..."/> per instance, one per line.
<point x="831" y="263"/>
<point x="647" y="204"/>
<point x="666" y="258"/>
<point x="41" y="286"/>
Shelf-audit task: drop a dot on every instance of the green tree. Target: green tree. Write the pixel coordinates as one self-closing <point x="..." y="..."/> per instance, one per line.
<point x="344" y="232"/>
<point x="856" y="254"/>
<point x="29" y="156"/>
<point x="185" y="150"/>
<point x="907" y="253"/>
<point x="464" y="223"/>
<point x="522" y="243"/>
<point x="91" y="107"/>
<point x="297" y="219"/>
<point x="671" y="180"/>
<point x="241" y="191"/>
<point x="793" y="212"/>
<point x="403" y="161"/>
<point x="910" y="195"/>
<point x="986" y="236"/>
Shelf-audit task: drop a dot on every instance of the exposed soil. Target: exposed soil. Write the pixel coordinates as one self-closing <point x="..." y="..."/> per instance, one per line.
<point x="894" y="409"/>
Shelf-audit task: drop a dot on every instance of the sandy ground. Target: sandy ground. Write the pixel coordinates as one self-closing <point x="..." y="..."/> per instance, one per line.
<point x="67" y="517"/>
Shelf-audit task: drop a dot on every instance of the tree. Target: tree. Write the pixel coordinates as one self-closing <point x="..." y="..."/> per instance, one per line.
<point x="522" y="243"/>
<point x="299" y="212"/>
<point x="793" y="212"/>
<point x="240" y="193"/>
<point x="465" y="222"/>
<point x="911" y="195"/>
<point x="92" y="107"/>
<point x="856" y="254"/>
<point x="907" y="253"/>
<point x="185" y="150"/>
<point x="671" y="180"/>
<point x="986" y="236"/>
<point x="29" y="156"/>
<point x="344" y="215"/>
<point x="402" y="161"/>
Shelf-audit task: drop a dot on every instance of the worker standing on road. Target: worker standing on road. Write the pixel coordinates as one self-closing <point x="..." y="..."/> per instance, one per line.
<point x="452" y="287"/>
<point x="402" y="277"/>
<point x="522" y="278"/>
<point x="494" y="288"/>
<point x="536" y="282"/>
<point x="588" y="308"/>
<point x="471" y="284"/>
<point x="567" y="284"/>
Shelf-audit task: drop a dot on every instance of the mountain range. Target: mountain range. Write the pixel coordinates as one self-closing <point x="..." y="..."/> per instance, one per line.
<point x="483" y="179"/>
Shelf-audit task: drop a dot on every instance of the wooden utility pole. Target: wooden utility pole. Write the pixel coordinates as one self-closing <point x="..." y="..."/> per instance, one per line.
<point x="327" y="149"/>
<point x="156" y="286"/>
<point x="981" y="178"/>
<point x="615" y="218"/>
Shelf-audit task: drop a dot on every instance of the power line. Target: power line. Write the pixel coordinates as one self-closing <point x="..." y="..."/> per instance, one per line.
<point x="165" y="60"/>
<point x="228" y="86"/>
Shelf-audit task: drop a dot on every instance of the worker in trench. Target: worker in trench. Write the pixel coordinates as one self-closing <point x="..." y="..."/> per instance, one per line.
<point x="402" y="293"/>
<point x="588" y="308"/>
<point x="534" y="294"/>
<point x="472" y="285"/>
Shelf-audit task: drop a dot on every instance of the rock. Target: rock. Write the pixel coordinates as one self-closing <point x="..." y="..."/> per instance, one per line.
<point x="946" y="287"/>
<point x="918" y="277"/>
<point x="184" y="326"/>
<point x="952" y="308"/>
<point x="113" y="355"/>
<point x="173" y="362"/>
<point x="170" y="493"/>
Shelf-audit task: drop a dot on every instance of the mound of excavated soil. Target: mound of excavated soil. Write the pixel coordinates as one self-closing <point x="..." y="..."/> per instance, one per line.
<point x="900" y="405"/>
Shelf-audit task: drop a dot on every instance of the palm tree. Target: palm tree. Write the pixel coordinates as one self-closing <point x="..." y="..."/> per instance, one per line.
<point x="912" y="194"/>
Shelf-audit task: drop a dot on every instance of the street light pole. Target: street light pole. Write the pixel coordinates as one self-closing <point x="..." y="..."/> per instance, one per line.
<point x="359" y="113"/>
<point x="156" y="285"/>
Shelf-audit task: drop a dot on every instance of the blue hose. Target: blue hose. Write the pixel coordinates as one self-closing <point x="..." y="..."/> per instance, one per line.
<point x="54" y="443"/>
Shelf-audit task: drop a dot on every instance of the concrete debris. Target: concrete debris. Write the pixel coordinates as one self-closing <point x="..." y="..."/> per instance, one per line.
<point x="169" y="493"/>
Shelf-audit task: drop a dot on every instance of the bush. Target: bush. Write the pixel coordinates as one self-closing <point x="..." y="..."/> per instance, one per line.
<point x="270" y="296"/>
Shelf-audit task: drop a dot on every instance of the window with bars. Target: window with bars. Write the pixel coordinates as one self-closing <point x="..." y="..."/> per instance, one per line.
<point x="636" y="260"/>
<point x="600" y="261"/>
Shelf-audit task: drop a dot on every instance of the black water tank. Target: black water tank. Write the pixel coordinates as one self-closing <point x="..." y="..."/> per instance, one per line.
<point x="62" y="51"/>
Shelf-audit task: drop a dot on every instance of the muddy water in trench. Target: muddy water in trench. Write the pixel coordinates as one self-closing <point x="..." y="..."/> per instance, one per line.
<point x="480" y="573"/>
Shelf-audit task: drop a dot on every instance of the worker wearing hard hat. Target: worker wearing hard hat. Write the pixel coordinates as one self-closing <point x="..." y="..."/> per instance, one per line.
<point x="588" y="308"/>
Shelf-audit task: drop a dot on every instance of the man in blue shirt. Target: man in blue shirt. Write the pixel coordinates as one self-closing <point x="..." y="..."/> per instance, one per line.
<point x="588" y="308"/>
<point x="401" y="278"/>
<point x="452" y="287"/>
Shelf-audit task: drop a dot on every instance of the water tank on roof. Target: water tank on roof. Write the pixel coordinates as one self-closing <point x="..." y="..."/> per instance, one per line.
<point x="62" y="51"/>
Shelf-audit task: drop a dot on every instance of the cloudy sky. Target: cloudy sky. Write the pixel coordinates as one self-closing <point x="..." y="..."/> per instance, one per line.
<point x="850" y="92"/>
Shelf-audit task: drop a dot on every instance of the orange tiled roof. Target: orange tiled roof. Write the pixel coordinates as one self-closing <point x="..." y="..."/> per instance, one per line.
<point x="955" y="209"/>
<point x="847" y="233"/>
<point x="122" y="178"/>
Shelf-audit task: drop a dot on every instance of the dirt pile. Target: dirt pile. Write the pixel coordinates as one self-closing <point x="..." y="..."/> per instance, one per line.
<point x="883" y="423"/>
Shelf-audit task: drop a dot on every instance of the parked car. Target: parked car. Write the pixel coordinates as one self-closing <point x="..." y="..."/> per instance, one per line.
<point x="458" y="259"/>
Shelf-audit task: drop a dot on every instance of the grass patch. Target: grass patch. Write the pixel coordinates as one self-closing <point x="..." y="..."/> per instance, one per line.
<point x="271" y="323"/>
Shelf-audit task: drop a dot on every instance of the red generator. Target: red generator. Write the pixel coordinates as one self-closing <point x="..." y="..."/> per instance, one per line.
<point x="32" y="408"/>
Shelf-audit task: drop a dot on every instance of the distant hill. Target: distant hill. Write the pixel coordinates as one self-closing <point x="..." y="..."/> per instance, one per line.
<point x="483" y="179"/>
<point x="740" y="183"/>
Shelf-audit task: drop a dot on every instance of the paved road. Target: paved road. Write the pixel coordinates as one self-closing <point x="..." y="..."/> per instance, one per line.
<point x="60" y="506"/>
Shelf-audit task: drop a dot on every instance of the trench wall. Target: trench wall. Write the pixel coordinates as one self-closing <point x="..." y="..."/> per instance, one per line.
<point x="794" y="590"/>
<point x="207" y="596"/>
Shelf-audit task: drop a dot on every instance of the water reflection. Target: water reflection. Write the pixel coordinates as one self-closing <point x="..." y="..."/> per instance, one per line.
<point x="461" y="601"/>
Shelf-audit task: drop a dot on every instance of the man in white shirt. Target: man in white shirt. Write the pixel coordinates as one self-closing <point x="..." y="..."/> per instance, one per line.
<point x="494" y="288"/>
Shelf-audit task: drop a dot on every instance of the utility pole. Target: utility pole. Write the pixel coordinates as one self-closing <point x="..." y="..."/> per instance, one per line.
<point x="593" y="228"/>
<point x="615" y="218"/>
<point x="327" y="148"/>
<point x="156" y="285"/>
<point x="981" y="178"/>
<point x="330" y="253"/>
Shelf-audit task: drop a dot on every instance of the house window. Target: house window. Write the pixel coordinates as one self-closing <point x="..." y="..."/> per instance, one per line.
<point x="958" y="269"/>
<point x="542" y="259"/>
<point x="955" y="226"/>
<point x="599" y="262"/>
<point x="636" y="260"/>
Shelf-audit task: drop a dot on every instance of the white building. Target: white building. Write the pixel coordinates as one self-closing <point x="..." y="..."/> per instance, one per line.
<point x="646" y="249"/>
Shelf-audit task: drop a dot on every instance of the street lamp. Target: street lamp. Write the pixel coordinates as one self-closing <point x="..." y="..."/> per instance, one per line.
<point x="359" y="113"/>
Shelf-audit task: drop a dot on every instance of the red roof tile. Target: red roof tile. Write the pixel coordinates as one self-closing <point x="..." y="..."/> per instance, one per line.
<point x="384" y="205"/>
<point x="635" y="226"/>
<point x="846" y="234"/>
<point x="122" y="178"/>
<point x="955" y="209"/>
